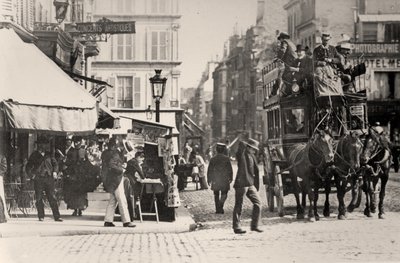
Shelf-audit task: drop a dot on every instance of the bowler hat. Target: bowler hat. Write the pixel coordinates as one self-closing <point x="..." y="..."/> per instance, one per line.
<point x="326" y="36"/>
<point x="283" y="35"/>
<point x="299" y="48"/>
<point x="253" y="144"/>
<point x="42" y="140"/>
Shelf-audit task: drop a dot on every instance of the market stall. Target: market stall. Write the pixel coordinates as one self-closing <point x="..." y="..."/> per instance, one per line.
<point x="160" y="146"/>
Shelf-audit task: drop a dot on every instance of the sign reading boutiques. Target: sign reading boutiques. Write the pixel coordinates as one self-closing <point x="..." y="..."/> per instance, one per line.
<point x="106" y="26"/>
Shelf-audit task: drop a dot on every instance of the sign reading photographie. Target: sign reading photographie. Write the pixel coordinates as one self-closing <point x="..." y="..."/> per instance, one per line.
<point x="375" y="49"/>
<point x="106" y="27"/>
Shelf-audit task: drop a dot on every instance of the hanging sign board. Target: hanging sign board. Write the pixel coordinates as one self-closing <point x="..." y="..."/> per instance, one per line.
<point x="106" y="27"/>
<point x="150" y="131"/>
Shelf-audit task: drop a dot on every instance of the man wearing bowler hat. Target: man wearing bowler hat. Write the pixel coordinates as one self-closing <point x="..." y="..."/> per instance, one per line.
<point x="219" y="177"/>
<point x="247" y="183"/>
<point x="42" y="168"/>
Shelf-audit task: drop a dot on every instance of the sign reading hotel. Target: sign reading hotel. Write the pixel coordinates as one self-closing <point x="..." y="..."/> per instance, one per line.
<point x="376" y="49"/>
<point x="106" y="27"/>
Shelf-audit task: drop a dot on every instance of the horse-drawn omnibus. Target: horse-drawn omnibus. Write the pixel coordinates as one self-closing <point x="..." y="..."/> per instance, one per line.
<point x="296" y="117"/>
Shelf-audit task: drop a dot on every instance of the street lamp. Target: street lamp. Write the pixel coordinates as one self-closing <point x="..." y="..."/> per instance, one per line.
<point x="157" y="89"/>
<point x="149" y="113"/>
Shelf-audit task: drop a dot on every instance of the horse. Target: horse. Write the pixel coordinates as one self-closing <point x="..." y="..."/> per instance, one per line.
<point x="375" y="160"/>
<point x="304" y="159"/>
<point x="344" y="170"/>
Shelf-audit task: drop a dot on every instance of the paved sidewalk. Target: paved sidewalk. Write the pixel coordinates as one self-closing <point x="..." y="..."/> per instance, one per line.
<point x="90" y="224"/>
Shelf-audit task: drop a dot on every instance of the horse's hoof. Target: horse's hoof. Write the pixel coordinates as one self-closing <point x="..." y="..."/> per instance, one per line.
<point x="311" y="219"/>
<point x="381" y="216"/>
<point x="341" y="217"/>
<point x="373" y="210"/>
<point x="281" y="214"/>
<point x="350" y="208"/>
<point x="300" y="216"/>
<point x="367" y="213"/>
<point x="317" y="217"/>
<point x="327" y="213"/>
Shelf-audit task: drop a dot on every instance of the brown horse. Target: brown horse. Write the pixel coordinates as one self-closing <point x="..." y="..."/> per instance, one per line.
<point x="344" y="170"/>
<point x="375" y="160"/>
<point x="304" y="159"/>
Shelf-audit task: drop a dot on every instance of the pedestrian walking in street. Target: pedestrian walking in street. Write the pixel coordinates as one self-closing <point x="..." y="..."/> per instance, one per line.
<point x="42" y="168"/>
<point x="219" y="177"/>
<point x="198" y="161"/>
<point x="247" y="183"/>
<point x="113" y="170"/>
<point x="74" y="195"/>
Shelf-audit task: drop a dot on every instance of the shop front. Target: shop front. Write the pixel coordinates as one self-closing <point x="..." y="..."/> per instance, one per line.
<point x="381" y="81"/>
<point x="37" y="98"/>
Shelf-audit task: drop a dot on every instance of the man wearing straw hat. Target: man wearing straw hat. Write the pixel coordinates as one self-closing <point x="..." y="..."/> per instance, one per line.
<point x="247" y="183"/>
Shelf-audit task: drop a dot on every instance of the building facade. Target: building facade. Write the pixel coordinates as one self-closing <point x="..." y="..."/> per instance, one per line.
<point x="238" y="89"/>
<point x="127" y="61"/>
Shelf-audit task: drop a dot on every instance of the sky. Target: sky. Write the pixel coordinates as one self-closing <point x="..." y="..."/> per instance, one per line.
<point x="205" y="26"/>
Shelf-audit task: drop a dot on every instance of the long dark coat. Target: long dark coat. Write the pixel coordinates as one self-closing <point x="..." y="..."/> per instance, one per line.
<point x="219" y="173"/>
<point x="132" y="168"/>
<point x="112" y="169"/>
<point x="247" y="174"/>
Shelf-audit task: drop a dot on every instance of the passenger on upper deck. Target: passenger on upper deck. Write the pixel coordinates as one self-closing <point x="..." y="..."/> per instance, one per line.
<point x="304" y="70"/>
<point x="325" y="54"/>
<point x="348" y="72"/>
<point x="326" y="60"/>
<point x="287" y="53"/>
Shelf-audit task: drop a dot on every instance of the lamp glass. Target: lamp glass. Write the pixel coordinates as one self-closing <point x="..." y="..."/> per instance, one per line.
<point x="158" y="85"/>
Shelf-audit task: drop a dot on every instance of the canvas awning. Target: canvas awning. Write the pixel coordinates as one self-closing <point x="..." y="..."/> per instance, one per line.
<point x="36" y="95"/>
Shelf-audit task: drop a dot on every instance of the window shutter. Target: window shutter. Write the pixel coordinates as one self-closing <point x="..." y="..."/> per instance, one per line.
<point x="6" y="8"/>
<point x="136" y="95"/>
<point x="111" y="92"/>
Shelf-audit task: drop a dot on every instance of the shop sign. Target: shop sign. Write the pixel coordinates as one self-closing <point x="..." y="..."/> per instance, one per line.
<point x="382" y="62"/>
<point x="376" y="49"/>
<point x="126" y="27"/>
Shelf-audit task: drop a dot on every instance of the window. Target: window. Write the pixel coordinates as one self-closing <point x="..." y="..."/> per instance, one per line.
<point x="370" y="32"/>
<point x="124" y="92"/>
<point x="294" y="121"/>
<point x="125" y="47"/>
<point x="392" y="32"/>
<point x="158" y="6"/>
<point x="159" y="45"/>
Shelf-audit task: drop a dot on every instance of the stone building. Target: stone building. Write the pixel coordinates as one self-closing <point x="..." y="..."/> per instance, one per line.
<point x="127" y="61"/>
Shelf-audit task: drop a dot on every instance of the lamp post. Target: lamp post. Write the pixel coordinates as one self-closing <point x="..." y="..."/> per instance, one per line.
<point x="61" y="9"/>
<point x="355" y="20"/>
<point x="157" y="89"/>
